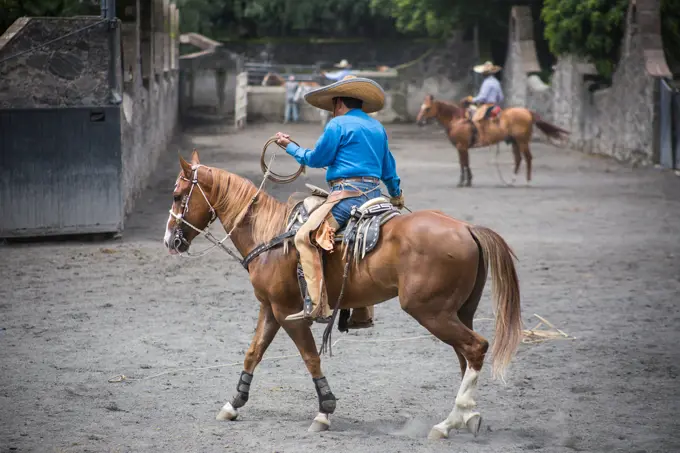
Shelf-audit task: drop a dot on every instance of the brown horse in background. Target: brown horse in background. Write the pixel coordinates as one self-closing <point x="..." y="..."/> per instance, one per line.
<point x="435" y="265"/>
<point x="272" y="79"/>
<point x="514" y="125"/>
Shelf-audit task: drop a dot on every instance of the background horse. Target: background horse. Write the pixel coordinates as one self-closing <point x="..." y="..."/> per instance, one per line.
<point x="272" y="79"/>
<point x="514" y="125"/>
<point x="436" y="265"/>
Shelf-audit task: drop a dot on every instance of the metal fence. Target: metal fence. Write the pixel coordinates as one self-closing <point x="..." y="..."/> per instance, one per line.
<point x="60" y="171"/>
<point x="257" y="71"/>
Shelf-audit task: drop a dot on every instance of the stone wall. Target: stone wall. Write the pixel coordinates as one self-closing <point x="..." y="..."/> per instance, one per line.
<point x="444" y="71"/>
<point x="69" y="73"/>
<point x="617" y="121"/>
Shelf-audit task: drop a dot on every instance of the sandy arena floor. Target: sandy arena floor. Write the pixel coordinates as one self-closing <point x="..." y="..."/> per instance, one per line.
<point x="599" y="254"/>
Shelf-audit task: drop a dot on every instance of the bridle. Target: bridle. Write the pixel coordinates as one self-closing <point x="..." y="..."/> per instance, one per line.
<point x="179" y="239"/>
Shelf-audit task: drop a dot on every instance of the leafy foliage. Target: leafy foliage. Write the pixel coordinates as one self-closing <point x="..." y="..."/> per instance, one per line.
<point x="11" y="10"/>
<point x="670" y="32"/>
<point x="285" y="18"/>
<point x="591" y="29"/>
<point x="439" y="17"/>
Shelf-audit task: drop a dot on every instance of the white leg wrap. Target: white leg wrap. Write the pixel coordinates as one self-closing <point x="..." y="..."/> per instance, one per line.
<point x="463" y="410"/>
<point x="227" y="413"/>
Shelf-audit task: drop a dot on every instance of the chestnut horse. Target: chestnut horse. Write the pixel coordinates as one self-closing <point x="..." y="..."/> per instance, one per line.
<point x="514" y="125"/>
<point x="434" y="264"/>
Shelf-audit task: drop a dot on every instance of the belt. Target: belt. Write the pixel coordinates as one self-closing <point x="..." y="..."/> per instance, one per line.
<point x="355" y="179"/>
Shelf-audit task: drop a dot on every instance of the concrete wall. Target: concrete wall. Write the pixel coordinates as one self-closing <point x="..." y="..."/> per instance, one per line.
<point x="205" y="86"/>
<point x="617" y="121"/>
<point x="269" y="104"/>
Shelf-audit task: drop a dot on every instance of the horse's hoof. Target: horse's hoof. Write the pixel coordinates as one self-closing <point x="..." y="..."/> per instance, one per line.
<point x="436" y="434"/>
<point x="320" y="424"/>
<point x="227" y="413"/>
<point x="474" y="423"/>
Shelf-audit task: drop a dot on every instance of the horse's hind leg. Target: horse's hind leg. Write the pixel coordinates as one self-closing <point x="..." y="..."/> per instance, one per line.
<point x="528" y="158"/>
<point x="472" y="347"/>
<point x="518" y="157"/>
<point x="465" y="173"/>
<point x="266" y="330"/>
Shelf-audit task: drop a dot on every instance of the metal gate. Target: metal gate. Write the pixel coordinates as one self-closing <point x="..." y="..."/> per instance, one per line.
<point x="241" y="108"/>
<point x="669" y="126"/>
<point x="666" y="151"/>
<point x="60" y="171"/>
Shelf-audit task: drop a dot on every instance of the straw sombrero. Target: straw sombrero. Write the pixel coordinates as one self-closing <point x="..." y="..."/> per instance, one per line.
<point x="487" y="67"/>
<point x="367" y="90"/>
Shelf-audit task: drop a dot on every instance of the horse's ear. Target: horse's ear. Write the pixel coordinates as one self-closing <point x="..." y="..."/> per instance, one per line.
<point x="194" y="157"/>
<point x="185" y="166"/>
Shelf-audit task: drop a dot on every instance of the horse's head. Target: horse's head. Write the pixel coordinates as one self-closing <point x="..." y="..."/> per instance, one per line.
<point x="191" y="211"/>
<point x="428" y="110"/>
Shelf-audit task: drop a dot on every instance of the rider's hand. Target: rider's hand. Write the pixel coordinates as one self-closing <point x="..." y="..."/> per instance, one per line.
<point x="398" y="201"/>
<point x="282" y="139"/>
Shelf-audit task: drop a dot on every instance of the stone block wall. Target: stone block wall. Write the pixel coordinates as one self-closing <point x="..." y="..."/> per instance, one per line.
<point x="71" y="72"/>
<point x="617" y="121"/>
<point x="444" y="71"/>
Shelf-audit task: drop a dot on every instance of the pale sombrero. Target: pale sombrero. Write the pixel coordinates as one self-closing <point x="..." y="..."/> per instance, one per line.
<point x="487" y="67"/>
<point x="372" y="94"/>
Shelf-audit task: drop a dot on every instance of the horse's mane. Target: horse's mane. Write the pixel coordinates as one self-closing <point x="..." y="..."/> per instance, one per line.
<point x="231" y="195"/>
<point x="450" y="108"/>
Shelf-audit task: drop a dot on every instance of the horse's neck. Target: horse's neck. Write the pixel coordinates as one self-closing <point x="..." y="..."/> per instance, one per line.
<point x="242" y="234"/>
<point x="447" y="113"/>
<point x="242" y="237"/>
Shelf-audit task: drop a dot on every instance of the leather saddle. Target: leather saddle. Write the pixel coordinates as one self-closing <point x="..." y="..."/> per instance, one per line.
<point x="362" y="230"/>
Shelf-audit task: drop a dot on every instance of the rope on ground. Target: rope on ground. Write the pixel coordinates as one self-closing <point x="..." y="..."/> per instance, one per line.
<point x="498" y="168"/>
<point x="531" y="336"/>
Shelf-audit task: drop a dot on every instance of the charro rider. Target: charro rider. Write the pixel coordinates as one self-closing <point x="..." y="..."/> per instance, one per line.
<point x="354" y="149"/>
<point x="490" y="93"/>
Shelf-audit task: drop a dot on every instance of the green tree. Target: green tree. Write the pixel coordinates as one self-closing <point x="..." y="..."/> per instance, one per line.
<point x="591" y="29"/>
<point x="11" y="10"/>
<point x="670" y="32"/>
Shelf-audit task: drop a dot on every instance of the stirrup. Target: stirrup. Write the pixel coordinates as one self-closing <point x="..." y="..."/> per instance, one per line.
<point x="306" y="313"/>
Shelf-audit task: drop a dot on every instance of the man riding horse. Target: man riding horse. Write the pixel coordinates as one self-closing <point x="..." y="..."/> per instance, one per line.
<point x="354" y="149"/>
<point x="487" y="102"/>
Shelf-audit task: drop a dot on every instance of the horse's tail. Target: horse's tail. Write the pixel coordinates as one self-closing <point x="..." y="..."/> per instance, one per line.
<point x="506" y="297"/>
<point x="548" y="129"/>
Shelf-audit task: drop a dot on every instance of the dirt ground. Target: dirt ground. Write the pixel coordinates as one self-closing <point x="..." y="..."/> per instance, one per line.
<point x="599" y="257"/>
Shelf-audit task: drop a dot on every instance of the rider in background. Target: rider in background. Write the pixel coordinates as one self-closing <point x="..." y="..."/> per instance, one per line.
<point x="490" y="93"/>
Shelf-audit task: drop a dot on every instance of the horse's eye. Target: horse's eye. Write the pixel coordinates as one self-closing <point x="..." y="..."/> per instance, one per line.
<point x="177" y="198"/>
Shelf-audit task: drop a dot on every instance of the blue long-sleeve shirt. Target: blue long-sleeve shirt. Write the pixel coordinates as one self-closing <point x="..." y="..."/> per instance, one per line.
<point x="352" y="145"/>
<point x="490" y="92"/>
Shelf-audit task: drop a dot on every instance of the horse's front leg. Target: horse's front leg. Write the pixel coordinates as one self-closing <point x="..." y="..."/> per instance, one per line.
<point x="301" y="334"/>
<point x="267" y="326"/>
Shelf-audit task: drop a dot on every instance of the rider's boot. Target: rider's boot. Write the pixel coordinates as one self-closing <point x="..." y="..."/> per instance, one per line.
<point x="315" y="305"/>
